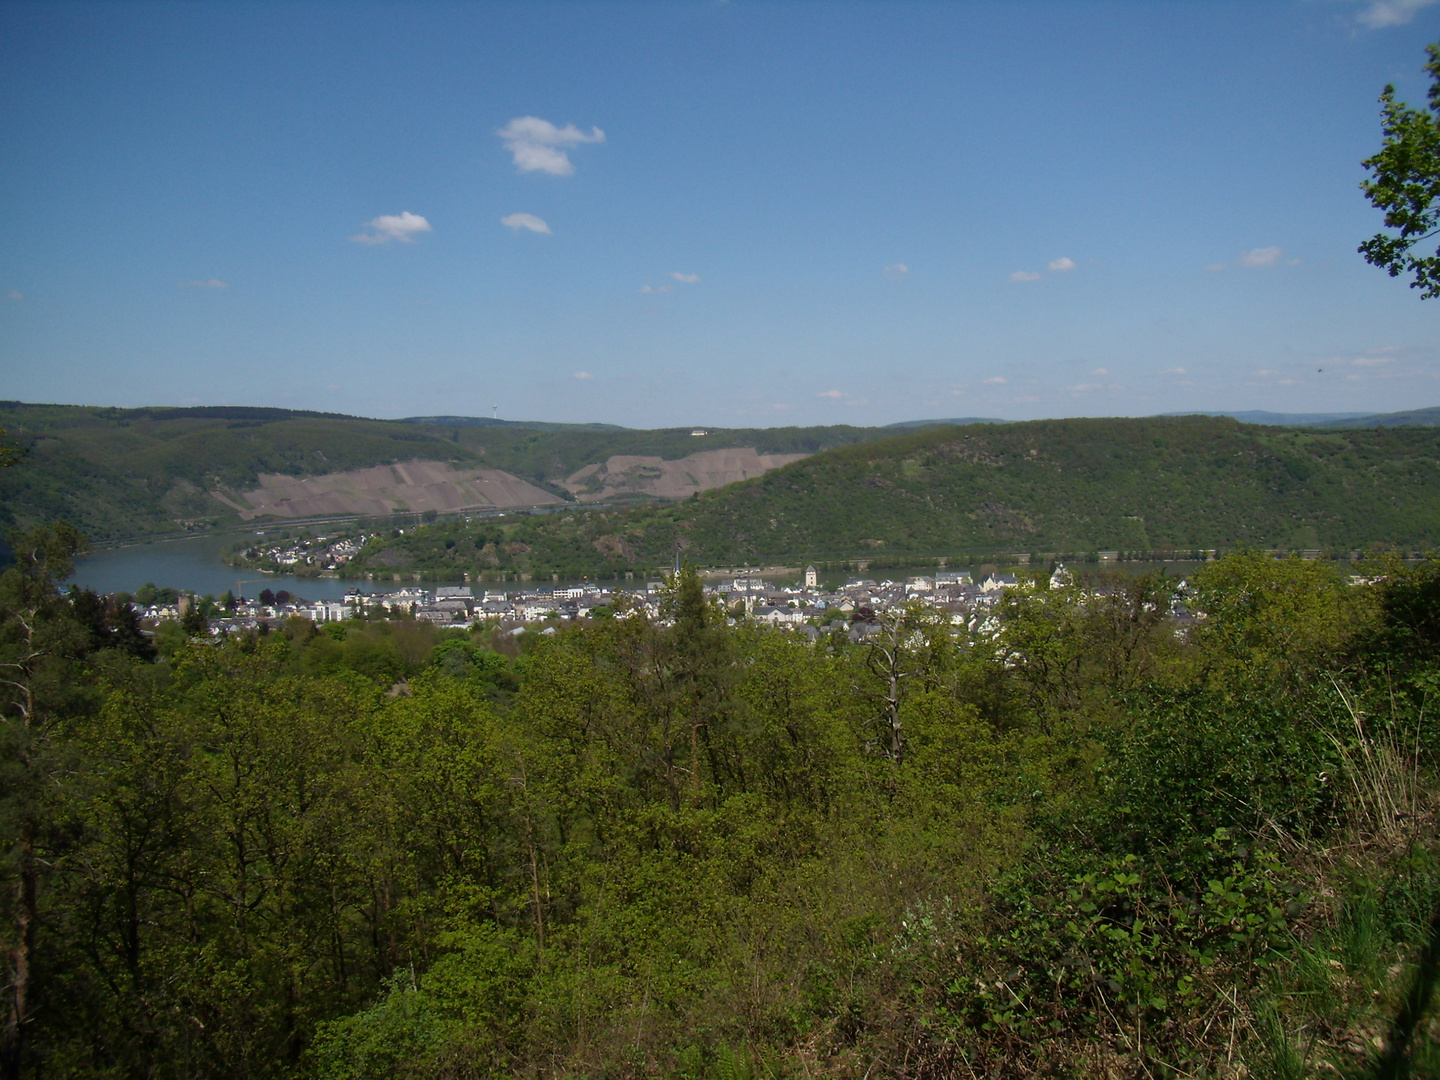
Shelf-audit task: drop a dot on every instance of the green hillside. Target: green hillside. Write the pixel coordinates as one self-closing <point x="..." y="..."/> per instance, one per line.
<point x="133" y="472"/>
<point x="137" y="472"/>
<point x="1056" y="485"/>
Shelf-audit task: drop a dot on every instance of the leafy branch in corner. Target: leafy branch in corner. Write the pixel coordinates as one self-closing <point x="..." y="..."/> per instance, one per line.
<point x="1406" y="185"/>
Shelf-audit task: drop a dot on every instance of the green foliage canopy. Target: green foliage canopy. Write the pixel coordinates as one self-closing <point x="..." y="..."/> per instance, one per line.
<point x="1079" y="832"/>
<point x="1405" y="184"/>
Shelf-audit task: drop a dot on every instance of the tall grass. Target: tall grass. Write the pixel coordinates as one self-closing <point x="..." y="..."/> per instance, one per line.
<point x="1382" y="769"/>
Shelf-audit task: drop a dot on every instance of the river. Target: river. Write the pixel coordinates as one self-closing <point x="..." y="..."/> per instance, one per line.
<point x="192" y="564"/>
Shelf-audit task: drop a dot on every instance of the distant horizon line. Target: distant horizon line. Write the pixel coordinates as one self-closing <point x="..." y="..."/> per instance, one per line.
<point x="1271" y="418"/>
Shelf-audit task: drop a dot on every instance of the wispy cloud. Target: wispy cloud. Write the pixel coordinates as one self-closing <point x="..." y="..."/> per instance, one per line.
<point x="1062" y="265"/>
<point x="1379" y="14"/>
<point x="403" y="227"/>
<point x="1256" y="258"/>
<point x="519" y="222"/>
<point x="995" y="380"/>
<point x="648" y="288"/>
<point x="1174" y="371"/>
<point x="1100" y="373"/>
<point x="896" y="271"/>
<point x="1266" y="256"/>
<point x="1372" y="361"/>
<point x="688" y="279"/>
<point x="208" y="283"/>
<point x="1083" y="388"/>
<point x="14" y="294"/>
<point x="582" y="375"/>
<point x="539" y="146"/>
<point x="842" y="398"/>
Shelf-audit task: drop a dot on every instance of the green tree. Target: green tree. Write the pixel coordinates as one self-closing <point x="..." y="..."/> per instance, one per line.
<point x="10" y="452"/>
<point x="1274" y="619"/>
<point x="1074" y="649"/>
<point x="907" y="649"/>
<point x="1406" y="183"/>
<point x="39" y="641"/>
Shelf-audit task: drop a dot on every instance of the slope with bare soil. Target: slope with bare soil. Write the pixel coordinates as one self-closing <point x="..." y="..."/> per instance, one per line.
<point x="413" y="486"/>
<point x="632" y="474"/>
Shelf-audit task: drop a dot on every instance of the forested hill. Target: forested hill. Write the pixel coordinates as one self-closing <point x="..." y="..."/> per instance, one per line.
<point x="133" y="472"/>
<point x="1046" y="485"/>
<point x="1054" y="485"/>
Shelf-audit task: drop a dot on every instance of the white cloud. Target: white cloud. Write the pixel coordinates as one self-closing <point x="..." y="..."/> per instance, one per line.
<point x="1024" y="275"/>
<point x="1083" y="388"/>
<point x="208" y="283"/>
<point x="526" y="221"/>
<point x="1373" y="361"/>
<point x="537" y="145"/>
<point x="1061" y="265"/>
<point x="1266" y="256"/>
<point x="404" y="228"/>
<point x="1379" y="14"/>
<point x="14" y="294"/>
<point x="647" y="288"/>
<point x="995" y="380"/>
<point x="582" y="375"/>
<point x="1100" y="372"/>
<point x="688" y="279"/>
<point x="834" y="395"/>
<point x="896" y="271"/>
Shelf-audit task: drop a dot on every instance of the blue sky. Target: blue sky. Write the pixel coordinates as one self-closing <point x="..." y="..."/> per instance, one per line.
<point x="738" y="214"/>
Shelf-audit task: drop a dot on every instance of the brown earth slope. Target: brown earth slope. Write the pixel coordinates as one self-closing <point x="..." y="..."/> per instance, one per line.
<point x="626" y="474"/>
<point x="413" y="486"/>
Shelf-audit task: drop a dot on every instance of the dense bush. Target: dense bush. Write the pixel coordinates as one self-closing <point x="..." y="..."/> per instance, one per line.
<point x="1093" y="846"/>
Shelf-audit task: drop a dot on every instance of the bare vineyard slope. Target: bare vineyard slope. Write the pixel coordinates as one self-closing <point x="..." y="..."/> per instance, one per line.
<point x="630" y="474"/>
<point x="413" y="486"/>
<point x="120" y="473"/>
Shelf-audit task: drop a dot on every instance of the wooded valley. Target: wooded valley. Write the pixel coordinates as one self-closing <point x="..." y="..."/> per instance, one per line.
<point x="1108" y="838"/>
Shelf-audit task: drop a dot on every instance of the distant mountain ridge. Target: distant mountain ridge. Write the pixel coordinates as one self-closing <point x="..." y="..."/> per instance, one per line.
<point x="1082" y="485"/>
<point x="136" y="472"/>
<point x="957" y="422"/>
<point x="491" y="421"/>
<point x="1274" y="419"/>
<point x="118" y="473"/>
<point x="1409" y="418"/>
